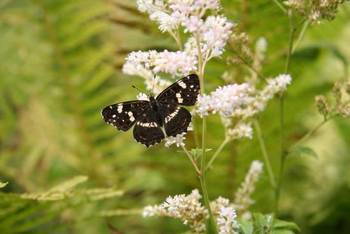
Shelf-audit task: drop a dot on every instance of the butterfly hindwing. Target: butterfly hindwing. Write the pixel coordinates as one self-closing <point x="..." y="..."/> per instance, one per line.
<point x="177" y="122"/>
<point x="183" y="92"/>
<point x="123" y="115"/>
<point x="147" y="130"/>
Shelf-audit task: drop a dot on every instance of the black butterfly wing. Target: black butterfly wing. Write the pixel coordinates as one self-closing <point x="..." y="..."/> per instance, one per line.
<point x="147" y="130"/>
<point x="177" y="121"/>
<point x="183" y="92"/>
<point x="123" y="115"/>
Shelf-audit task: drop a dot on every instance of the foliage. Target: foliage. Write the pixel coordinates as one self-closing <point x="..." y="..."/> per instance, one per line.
<point x="32" y="212"/>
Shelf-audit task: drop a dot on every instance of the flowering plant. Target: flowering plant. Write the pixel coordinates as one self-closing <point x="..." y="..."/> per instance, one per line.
<point x="201" y="33"/>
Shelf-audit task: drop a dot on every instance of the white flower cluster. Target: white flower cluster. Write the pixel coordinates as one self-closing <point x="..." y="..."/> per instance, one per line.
<point x="241" y="100"/>
<point x="186" y="208"/>
<point x="177" y="140"/>
<point x="241" y="130"/>
<point x="173" y="13"/>
<point x="226" y="217"/>
<point x="211" y="34"/>
<point x="148" y="63"/>
<point x="243" y="195"/>
<point x="275" y="86"/>
<point x="189" y="209"/>
<point x="192" y="213"/>
<point x="228" y="101"/>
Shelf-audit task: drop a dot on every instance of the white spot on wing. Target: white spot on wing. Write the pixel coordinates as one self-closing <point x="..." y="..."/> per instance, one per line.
<point x="148" y="125"/>
<point x="172" y="115"/>
<point x="131" y="116"/>
<point x="182" y="84"/>
<point x="179" y="98"/>
<point x="120" y="108"/>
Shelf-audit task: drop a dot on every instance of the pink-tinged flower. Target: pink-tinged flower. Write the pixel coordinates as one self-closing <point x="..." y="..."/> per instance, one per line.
<point x="177" y="140"/>
<point x="229" y="100"/>
<point x="187" y="208"/>
<point x="226" y="217"/>
<point x="215" y="33"/>
<point x="175" y="63"/>
<point x="243" y="195"/>
<point x="166" y="22"/>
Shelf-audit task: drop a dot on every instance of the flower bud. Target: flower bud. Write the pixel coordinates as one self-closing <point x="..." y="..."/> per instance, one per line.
<point x="322" y="105"/>
<point x="347" y="88"/>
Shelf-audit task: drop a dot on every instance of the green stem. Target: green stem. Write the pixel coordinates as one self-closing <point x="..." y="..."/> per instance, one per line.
<point x="301" y="34"/>
<point x="265" y="155"/>
<point x="177" y="38"/>
<point x="247" y="64"/>
<point x="311" y="132"/>
<point x="202" y="177"/>
<point x="217" y="152"/>
<point x="280" y="6"/>
<point x="200" y="64"/>
<point x="192" y="160"/>
<point x="283" y="151"/>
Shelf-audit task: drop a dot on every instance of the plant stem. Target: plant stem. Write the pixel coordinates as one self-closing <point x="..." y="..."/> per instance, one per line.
<point x="217" y="152"/>
<point x="245" y="62"/>
<point x="265" y="155"/>
<point x="311" y="132"/>
<point x="280" y="6"/>
<point x="283" y="151"/>
<point x="200" y="64"/>
<point x="301" y="35"/>
<point x="177" y="38"/>
<point x="202" y="177"/>
<point x="192" y="160"/>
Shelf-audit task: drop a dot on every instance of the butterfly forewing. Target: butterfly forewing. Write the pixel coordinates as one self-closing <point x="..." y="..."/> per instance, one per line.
<point x="147" y="130"/>
<point x="183" y="92"/>
<point x="123" y="115"/>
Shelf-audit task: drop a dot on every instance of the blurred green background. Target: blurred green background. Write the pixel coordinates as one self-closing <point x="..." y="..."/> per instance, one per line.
<point x="60" y="64"/>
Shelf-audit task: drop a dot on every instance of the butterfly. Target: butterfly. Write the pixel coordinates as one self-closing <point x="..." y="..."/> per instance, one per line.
<point x="159" y="117"/>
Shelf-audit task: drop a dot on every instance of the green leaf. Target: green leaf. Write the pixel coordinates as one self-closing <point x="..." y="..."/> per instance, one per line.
<point x="285" y="225"/>
<point x="262" y="223"/>
<point x="282" y="232"/>
<point x="246" y="227"/>
<point x="3" y="184"/>
<point x="197" y="152"/>
<point x="303" y="150"/>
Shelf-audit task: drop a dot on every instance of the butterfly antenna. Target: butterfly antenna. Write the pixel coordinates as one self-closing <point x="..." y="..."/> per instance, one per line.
<point x="153" y="83"/>
<point x="141" y="91"/>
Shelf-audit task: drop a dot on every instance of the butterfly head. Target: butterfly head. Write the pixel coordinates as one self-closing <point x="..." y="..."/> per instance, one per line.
<point x="152" y="100"/>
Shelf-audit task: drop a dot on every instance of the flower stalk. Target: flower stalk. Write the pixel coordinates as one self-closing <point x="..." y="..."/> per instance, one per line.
<point x="202" y="176"/>
<point x="217" y="152"/>
<point x="283" y="151"/>
<point x="266" y="158"/>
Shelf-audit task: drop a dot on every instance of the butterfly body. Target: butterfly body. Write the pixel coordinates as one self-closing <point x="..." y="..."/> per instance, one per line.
<point x="157" y="110"/>
<point x="160" y="116"/>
